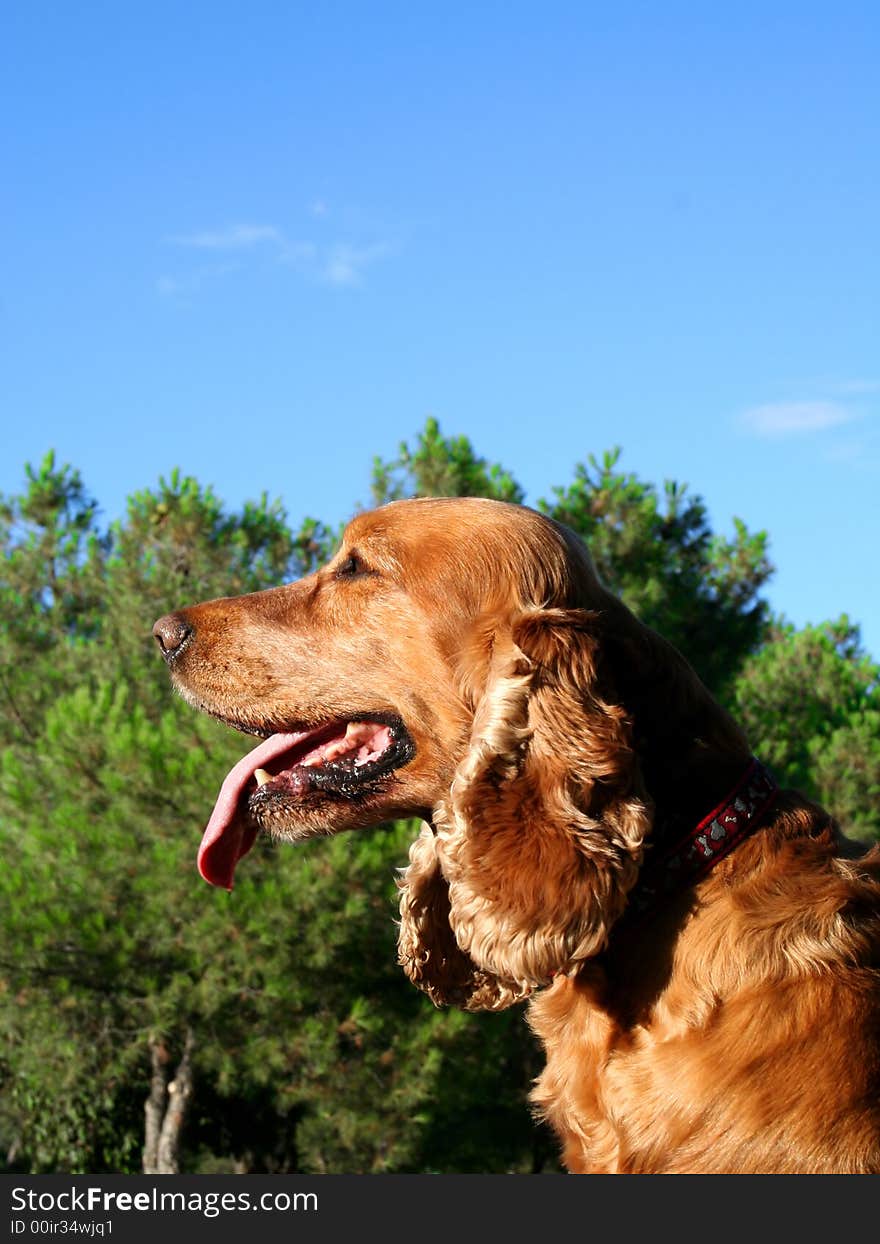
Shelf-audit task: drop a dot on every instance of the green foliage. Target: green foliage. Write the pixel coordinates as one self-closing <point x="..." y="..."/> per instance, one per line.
<point x="181" y="535"/>
<point x="441" y="467"/>
<point x="659" y="554"/>
<point x="810" y="701"/>
<point x="51" y="591"/>
<point x="311" y="1050"/>
<point x="51" y="543"/>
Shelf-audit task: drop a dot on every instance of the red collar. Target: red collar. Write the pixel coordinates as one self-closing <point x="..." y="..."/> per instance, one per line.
<point x="688" y="858"/>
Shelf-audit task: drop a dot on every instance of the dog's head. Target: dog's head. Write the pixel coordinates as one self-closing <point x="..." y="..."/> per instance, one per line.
<point x="452" y="662"/>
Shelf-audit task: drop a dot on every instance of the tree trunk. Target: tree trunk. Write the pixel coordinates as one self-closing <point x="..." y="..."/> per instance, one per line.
<point x="166" y="1108"/>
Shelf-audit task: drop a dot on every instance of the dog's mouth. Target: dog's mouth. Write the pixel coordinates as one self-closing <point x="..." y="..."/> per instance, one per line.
<point x="343" y="760"/>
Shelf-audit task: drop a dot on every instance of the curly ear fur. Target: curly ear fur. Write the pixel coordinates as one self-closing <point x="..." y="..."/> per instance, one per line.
<point x="426" y="947"/>
<point x="541" y="837"/>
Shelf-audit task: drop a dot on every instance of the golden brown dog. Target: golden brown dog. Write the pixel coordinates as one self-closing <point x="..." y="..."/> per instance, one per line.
<point x="700" y="950"/>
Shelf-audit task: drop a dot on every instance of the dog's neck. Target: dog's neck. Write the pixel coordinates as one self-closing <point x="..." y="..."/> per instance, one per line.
<point x="694" y="759"/>
<point x="681" y="853"/>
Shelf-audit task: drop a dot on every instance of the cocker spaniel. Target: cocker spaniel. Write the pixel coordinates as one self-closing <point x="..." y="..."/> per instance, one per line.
<point x="699" y="948"/>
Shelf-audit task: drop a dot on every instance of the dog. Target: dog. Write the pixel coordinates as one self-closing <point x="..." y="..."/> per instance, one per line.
<point x="698" y="948"/>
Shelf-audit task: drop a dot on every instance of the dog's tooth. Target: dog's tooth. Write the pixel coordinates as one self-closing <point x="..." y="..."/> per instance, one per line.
<point x="341" y="747"/>
<point x="262" y="776"/>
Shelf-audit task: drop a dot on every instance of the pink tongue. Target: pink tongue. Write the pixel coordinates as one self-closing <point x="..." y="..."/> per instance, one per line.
<point x="229" y="835"/>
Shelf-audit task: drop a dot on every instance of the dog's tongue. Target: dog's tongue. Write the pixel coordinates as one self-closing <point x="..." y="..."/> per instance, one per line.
<point x="229" y="835"/>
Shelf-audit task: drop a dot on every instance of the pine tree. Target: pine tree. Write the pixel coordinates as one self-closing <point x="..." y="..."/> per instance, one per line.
<point x="657" y="551"/>
<point x="810" y="701"/>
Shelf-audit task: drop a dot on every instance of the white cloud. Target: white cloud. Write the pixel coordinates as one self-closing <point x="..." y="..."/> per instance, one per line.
<point x="189" y="283"/>
<point x="345" y="265"/>
<point x="168" y="285"/>
<point x="176" y="287"/>
<point x="233" y="238"/>
<point x="338" y="263"/>
<point x="777" y="419"/>
<point x="300" y="254"/>
<point x="859" y="386"/>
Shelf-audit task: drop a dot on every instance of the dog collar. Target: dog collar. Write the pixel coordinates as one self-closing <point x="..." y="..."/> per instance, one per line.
<point x="690" y="857"/>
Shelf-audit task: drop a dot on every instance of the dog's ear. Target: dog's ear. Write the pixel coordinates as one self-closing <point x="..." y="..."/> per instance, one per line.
<point x="426" y="948"/>
<point x="542" y="835"/>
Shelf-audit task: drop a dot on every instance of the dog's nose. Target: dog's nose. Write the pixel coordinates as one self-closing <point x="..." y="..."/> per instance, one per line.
<point x="172" y="632"/>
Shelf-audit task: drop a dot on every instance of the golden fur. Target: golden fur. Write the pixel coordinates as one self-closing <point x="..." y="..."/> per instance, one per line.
<point x="737" y="1028"/>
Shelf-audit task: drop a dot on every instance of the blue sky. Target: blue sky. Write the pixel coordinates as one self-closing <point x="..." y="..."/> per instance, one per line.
<point x="263" y="242"/>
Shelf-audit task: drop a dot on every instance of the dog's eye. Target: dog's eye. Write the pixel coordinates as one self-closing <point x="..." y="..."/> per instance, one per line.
<point x="351" y="568"/>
